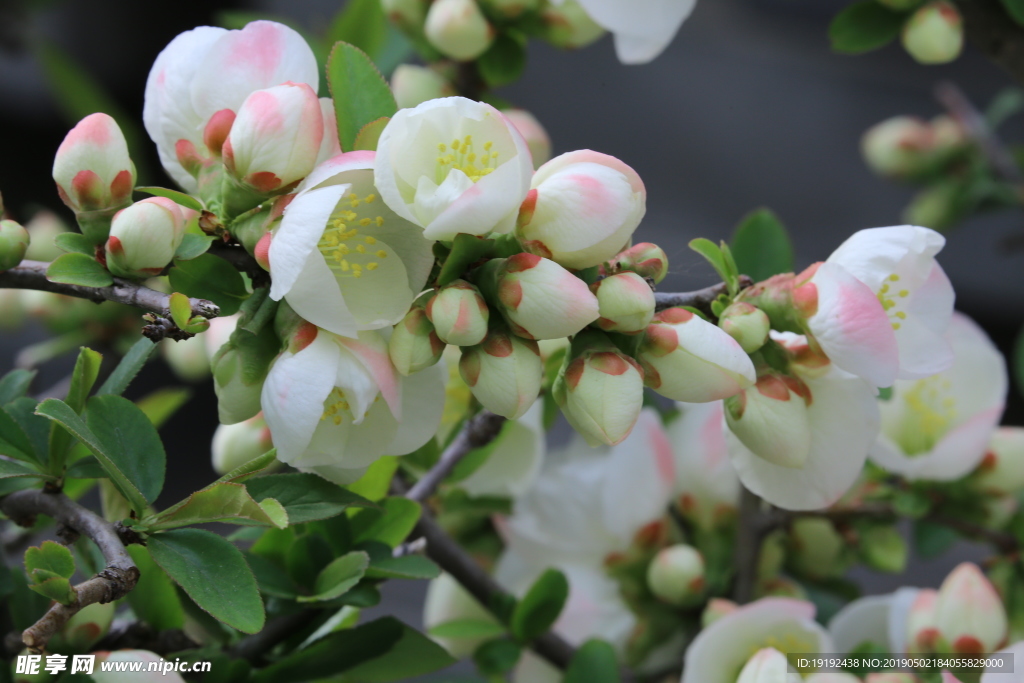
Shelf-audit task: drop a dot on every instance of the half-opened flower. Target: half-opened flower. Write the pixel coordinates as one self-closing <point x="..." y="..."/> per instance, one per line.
<point x="939" y="427"/>
<point x="207" y="70"/>
<point x="642" y="28"/>
<point x="898" y="264"/>
<point x="341" y="258"/>
<point x="540" y="299"/>
<point x="451" y="166"/>
<point x="334" y="405"/>
<point x="144" y="237"/>
<point x="969" y="614"/>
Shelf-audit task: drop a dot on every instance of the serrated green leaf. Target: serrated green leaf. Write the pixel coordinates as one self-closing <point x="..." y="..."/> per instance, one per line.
<point x="370" y="134"/>
<point x="305" y="497"/>
<point x="360" y="93"/>
<point x="52" y="557"/>
<point x="864" y="26"/>
<point x="712" y="253"/>
<point x="210" y="277"/>
<point x="466" y="629"/>
<point x="361" y="23"/>
<point x="540" y="607"/>
<point x="390" y="524"/>
<point x="192" y="246"/>
<point x="130" y="440"/>
<point x="251" y="468"/>
<point x="14" y="443"/>
<point x="405" y="567"/>
<point x="504" y="61"/>
<point x="128" y="368"/>
<point x="78" y="269"/>
<point x="85" y="468"/>
<point x="761" y="246"/>
<point x="74" y="242"/>
<point x="338" y="577"/>
<point x="181" y="309"/>
<point x="226" y="502"/>
<point x="12" y="468"/>
<point x="15" y="384"/>
<point x="272" y="579"/>
<point x="594" y="662"/>
<point x="56" y="588"/>
<point x="154" y="599"/>
<point x="83" y="377"/>
<point x="180" y="198"/>
<point x="497" y="657"/>
<point x="35" y="428"/>
<point x="214" y="574"/>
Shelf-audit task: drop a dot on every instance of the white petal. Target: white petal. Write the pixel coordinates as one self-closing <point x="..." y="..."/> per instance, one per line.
<point x="515" y="462"/>
<point x="704" y="473"/>
<point x="371" y="349"/>
<point x="316" y="297"/>
<point x="863" y="620"/>
<point x="422" y="407"/>
<point x="351" y="445"/>
<point x="642" y="28"/>
<point x="296" y="238"/>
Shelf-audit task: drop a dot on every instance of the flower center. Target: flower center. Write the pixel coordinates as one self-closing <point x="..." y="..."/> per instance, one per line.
<point x="348" y="252"/>
<point x="892" y="299"/>
<point x="461" y="156"/>
<point x="931" y="412"/>
<point x="336" y="407"/>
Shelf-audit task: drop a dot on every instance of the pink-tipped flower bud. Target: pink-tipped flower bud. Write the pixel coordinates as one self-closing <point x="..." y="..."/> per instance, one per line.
<point x="905" y="147"/>
<point x="144" y="237"/>
<point x="568" y="26"/>
<point x="413" y="85"/>
<point x="922" y="633"/>
<point x="816" y="550"/>
<point x="533" y="132"/>
<point x="275" y="139"/>
<point x="94" y="174"/>
<point x="234" y="445"/>
<point x="540" y="299"/>
<point x="646" y="260"/>
<point x="715" y="610"/>
<point x="414" y="344"/>
<point x="969" y="614"/>
<point x="504" y="372"/>
<point x="934" y="34"/>
<point x="686" y="358"/>
<point x="458" y="29"/>
<point x="459" y="314"/>
<point x="747" y="324"/>
<point x="582" y="209"/>
<point x="771" y="419"/>
<point x="766" y="666"/>
<point x="14" y="241"/>
<point x="676" y="575"/>
<point x="625" y="303"/>
<point x="1002" y="469"/>
<point x="601" y="391"/>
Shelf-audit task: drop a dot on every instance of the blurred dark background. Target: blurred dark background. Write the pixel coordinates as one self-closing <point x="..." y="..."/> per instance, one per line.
<point x="747" y="108"/>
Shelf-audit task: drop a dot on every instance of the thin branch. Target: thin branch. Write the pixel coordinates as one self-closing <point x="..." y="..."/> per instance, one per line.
<point x="113" y="582"/>
<point x="995" y="33"/>
<point x="963" y="111"/>
<point x="750" y="532"/>
<point x="700" y="299"/>
<point x="32" y="275"/>
<point x="243" y="261"/>
<point x="479" y="431"/>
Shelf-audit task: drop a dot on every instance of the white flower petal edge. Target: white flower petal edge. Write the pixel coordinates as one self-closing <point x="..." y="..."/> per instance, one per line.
<point x="706" y="482"/>
<point x="878" y="619"/>
<point x="642" y="28"/>
<point x="515" y="462"/>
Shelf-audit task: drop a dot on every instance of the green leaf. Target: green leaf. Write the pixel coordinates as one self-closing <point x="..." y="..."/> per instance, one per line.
<point x="131" y="441"/>
<point x="380" y="651"/>
<point x="110" y="459"/>
<point x="86" y="468"/>
<point x="129" y="366"/>
<point x="214" y="574"/>
<point x="83" y="377"/>
<point x="466" y="250"/>
<point x="180" y="198"/>
<point x="1015" y="8"/>
<point x="210" y="277"/>
<point x="360" y="93"/>
<point x="51" y="557"/>
<point x="154" y="599"/>
<point x="75" y="242"/>
<point x="370" y="134"/>
<point x="226" y="502"/>
<point x="406" y="567"/>
<point x="15" y="384"/>
<point x="14" y="442"/>
<point x="272" y="579"/>
<point x="337" y="578"/>
<point x="932" y="539"/>
<point x="78" y="269"/>
<point x="362" y="23"/>
<point x="390" y="525"/>
<point x="306" y="497"/>
<point x="251" y="468"/>
<point x="12" y="468"/>
<point x="882" y="547"/>
<point x="540" y="607"/>
<point x="374" y="484"/>
<point x="192" y="246"/>
<point x="864" y="26"/>
<point x="594" y="662"/>
<point x="55" y="588"/>
<point x="713" y="254"/>
<point x="181" y="309"/>
<point x="505" y="60"/>
<point x="466" y="629"/>
<point x="911" y="503"/>
<point x="162" y="404"/>
<point x="497" y="657"/>
<point x="761" y="246"/>
<point x="35" y="428"/>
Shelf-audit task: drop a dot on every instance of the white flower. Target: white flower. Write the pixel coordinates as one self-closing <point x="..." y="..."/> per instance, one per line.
<point x="707" y="487"/>
<point x="898" y="265"/>
<point x="718" y="652"/>
<point x="642" y="28"/>
<point x="939" y="427"/>
<point x="517" y="458"/>
<point x="453" y="166"/>
<point x="207" y="70"/>
<point x="341" y="258"/>
<point x="322" y="402"/>
<point x="768" y="665"/>
<point x="881" y="620"/>
<point x="329" y="145"/>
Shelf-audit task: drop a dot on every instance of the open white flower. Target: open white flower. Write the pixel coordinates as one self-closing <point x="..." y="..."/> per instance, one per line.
<point x="341" y="258"/>
<point x="642" y="28"/>
<point x="452" y="165"/>
<point x="707" y="487"/>
<point x="881" y="620"/>
<point x="898" y="265"/>
<point x="207" y="70"/>
<point x="939" y="427"/>
<point x="322" y="402"/>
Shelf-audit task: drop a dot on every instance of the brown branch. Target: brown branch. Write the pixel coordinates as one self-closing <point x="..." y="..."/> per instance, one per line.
<point x="113" y="582"/>
<point x="700" y="299"/>
<point x="751" y="530"/>
<point x="32" y="275"/>
<point x="963" y="111"/>
<point x="243" y="261"/>
<point x="995" y="33"/>
<point x="479" y="431"/>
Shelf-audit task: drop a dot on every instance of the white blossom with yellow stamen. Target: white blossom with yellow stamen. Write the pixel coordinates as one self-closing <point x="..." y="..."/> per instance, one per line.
<point x="939" y="427"/>
<point x="451" y="166"/>
<point x="341" y="258"/>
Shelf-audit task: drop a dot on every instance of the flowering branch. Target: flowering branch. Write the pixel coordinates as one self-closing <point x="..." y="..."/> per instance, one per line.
<point x="113" y="582"/>
<point x="992" y="30"/>
<point x="700" y="299"/>
<point x="479" y="431"/>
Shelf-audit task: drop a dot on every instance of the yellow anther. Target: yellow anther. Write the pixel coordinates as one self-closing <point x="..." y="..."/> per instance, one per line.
<point x="894" y="277"/>
<point x="361" y="249"/>
<point x="364" y="222"/>
<point x="455" y="144"/>
<point x="488" y="145"/>
<point x="372" y="265"/>
<point x="382" y="254"/>
<point x="369" y="198"/>
<point x="356" y="267"/>
<point x="373" y="240"/>
<point x="471" y="157"/>
<point x="884" y="289"/>
<point x="468" y="140"/>
<point x="904" y="293"/>
<point x="354" y="203"/>
<point x="357" y="273"/>
<point x="352" y="195"/>
<point x="380" y="221"/>
<point x="344" y="265"/>
<point x="337" y="419"/>
<point x="441" y="147"/>
<point x="901" y="315"/>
